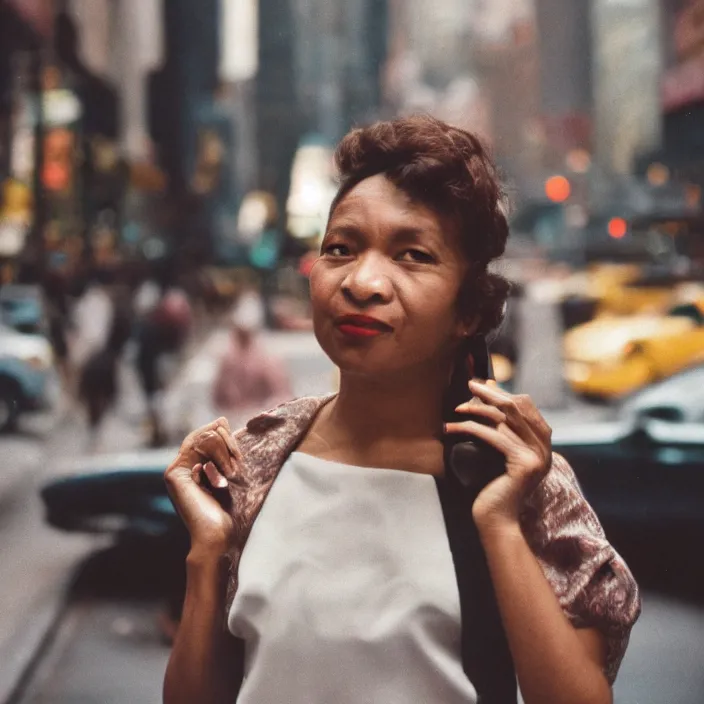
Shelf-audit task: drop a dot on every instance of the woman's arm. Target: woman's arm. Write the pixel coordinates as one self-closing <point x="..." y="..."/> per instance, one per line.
<point x="554" y="662"/>
<point x="205" y="663"/>
<point x="585" y="585"/>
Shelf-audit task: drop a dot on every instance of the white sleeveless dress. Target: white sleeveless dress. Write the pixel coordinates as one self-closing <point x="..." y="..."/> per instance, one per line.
<point x="347" y="591"/>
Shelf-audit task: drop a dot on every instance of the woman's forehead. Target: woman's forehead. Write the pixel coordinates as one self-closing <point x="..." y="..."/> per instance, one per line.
<point x="378" y="200"/>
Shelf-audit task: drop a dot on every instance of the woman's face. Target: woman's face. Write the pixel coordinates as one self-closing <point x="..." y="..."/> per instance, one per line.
<point x="395" y="260"/>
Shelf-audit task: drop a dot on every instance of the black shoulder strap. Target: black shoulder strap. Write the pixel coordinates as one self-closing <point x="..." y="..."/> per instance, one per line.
<point x="486" y="657"/>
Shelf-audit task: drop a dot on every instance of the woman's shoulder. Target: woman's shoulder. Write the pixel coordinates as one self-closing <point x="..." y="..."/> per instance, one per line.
<point x="293" y="413"/>
<point x="268" y="438"/>
<point x="558" y="499"/>
<point x="590" y="579"/>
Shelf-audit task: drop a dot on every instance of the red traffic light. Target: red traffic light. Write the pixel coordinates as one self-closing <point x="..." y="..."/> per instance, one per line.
<point x="558" y="189"/>
<point x="617" y="228"/>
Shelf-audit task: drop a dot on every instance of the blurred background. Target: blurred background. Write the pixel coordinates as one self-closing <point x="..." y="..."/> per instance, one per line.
<point x="165" y="175"/>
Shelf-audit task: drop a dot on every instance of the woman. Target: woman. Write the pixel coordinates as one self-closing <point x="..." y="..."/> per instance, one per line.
<point x="350" y="586"/>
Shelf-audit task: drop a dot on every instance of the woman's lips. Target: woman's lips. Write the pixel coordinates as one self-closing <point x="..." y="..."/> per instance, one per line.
<point x="359" y="331"/>
<point x="362" y="326"/>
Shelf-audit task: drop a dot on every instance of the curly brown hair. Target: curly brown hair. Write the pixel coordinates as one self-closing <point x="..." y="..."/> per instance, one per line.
<point x="449" y="170"/>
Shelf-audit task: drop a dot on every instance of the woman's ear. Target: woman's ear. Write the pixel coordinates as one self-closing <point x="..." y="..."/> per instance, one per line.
<point x="467" y="327"/>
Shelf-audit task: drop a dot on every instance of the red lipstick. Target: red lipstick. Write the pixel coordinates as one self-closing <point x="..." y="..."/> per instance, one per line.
<point x="362" y="326"/>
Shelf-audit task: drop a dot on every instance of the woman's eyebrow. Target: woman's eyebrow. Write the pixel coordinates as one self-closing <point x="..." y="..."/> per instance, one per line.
<point x="414" y="235"/>
<point x="401" y="235"/>
<point x="342" y="229"/>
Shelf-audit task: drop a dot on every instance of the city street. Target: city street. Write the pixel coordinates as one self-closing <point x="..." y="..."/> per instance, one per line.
<point x="39" y="561"/>
<point x="177" y="175"/>
<point x="110" y="652"/>
<point x="107" y="646"/>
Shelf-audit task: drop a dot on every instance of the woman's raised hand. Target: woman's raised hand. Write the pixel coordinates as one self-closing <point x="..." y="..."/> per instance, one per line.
<point x="521" y="434"/>
<point x="197" y="482"/>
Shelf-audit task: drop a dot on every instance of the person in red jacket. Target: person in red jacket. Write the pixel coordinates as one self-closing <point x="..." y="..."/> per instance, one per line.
<point x="249" y="377"/>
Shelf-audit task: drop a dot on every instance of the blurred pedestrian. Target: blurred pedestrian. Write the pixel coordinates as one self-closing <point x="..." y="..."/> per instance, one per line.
<point x="91" y="319"/>
<point x="56" y="302"/>
<point x="249" y="378"/>
<point x="98" y="384"/>
<point x="162" y="332"/>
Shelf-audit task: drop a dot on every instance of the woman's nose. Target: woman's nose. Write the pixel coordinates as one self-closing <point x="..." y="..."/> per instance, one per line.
<point x="368" y="281"/>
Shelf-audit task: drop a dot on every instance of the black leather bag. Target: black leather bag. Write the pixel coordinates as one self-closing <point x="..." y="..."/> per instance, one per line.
<point x="469" y="467"/>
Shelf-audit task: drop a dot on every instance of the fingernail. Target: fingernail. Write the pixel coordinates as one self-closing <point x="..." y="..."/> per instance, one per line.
<point x="222" y="482"/>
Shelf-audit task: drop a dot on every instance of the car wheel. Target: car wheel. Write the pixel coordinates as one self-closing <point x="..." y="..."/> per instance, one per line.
<point x="9" y="406"/>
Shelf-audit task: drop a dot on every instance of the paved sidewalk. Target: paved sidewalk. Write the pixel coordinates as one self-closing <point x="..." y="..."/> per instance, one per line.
<point x="187" y="404"/>
<point x="40" y="561"/>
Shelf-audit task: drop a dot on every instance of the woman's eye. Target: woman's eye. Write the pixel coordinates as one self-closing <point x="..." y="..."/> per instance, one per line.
<point x="417" y="255"/>
<point x="336" y="250"/>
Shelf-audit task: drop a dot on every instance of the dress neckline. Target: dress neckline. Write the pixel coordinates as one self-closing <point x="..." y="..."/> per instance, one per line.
<point x="362" y="468"/>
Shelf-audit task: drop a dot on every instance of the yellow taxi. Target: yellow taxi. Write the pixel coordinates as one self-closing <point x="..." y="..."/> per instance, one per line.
<point x="613" y="356"/>
<point x="619" y="290"/>
<point x="625" y="289"/>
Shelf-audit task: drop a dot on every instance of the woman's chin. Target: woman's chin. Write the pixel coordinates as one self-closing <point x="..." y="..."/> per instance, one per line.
<point x="378" y="361"/>
<point x="371" y="368"/>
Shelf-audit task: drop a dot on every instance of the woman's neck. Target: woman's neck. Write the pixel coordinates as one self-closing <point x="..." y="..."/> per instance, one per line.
<point x="369" y="410"/>
<point x="383" y="422"/>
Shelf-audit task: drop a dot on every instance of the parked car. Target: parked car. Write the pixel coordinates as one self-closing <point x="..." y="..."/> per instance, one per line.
<point x="27" y="377"/>
<point x="119" y="494"/>
<point x="678" y="399"/>
<point x="642" y="468"/>
<point x="640" y="473"/>
<point x="611" y="357"/>
<point x="22" y="308"/>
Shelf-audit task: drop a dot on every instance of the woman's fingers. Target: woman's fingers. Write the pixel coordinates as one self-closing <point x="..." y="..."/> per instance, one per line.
<point x="489" y="393"/>
<point x="212" y="446"/>
<point x="196" y="472"/>
<point x="482" y="410"/>
<point x="523" y="436"/>
<point x="213" y="425"/>
<point x="226" y="435"/>
<point x="216" y="479"/>
<point x="521" y="414"/>
<point x="188" y="454"/>
<point x="212" y="474"/>
<point x="492" y="436"/>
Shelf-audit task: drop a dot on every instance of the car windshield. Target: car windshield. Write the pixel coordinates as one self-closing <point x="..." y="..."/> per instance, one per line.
<point x="689" y="310"/>
<point x="684" y="390"/>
